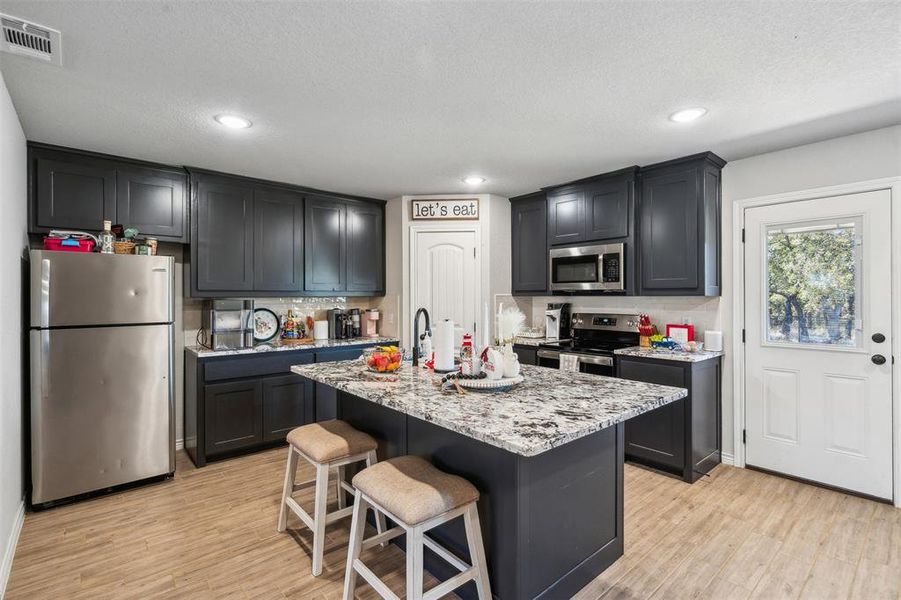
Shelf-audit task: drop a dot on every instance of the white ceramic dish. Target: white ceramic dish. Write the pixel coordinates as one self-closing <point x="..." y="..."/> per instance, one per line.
<point x="490" y="385"/>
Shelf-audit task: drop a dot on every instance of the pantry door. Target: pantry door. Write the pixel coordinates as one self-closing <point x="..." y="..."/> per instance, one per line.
<point x="818" y="370"/>
<point x="445" y="276"/>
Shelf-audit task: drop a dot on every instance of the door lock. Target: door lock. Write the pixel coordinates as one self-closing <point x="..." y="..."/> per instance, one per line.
<point x="878" y="359"/>
<point x="878" y="338"/>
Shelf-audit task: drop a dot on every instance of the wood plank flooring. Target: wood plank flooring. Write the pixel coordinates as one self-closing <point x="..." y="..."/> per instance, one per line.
<point x="210" y="533"/>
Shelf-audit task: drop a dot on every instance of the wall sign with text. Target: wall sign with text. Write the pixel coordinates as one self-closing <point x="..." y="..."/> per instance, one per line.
<point x="450" y="209"/>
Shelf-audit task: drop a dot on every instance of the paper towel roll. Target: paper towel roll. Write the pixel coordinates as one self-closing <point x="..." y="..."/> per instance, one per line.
<point x="713" y="340"/>
<point x="320" y="330"/>
<point x="443" y="345"/>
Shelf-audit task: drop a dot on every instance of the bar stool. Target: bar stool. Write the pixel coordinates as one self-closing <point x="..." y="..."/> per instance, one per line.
<point x="325" y="445"/>
<point x="418" y="497"/>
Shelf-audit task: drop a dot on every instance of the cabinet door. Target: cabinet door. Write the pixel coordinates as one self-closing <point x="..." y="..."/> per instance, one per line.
<point x="607" y="209"/>
<point x="285" y="400"/>
<point x="223" y="257"/>
<point x="566" y="217"/>
<point x="657" y="436"/>
<point x="529" y="249"/>
<point x="233" y="415"/>
<point x="669" y="230"/>
<point x="277" y="241"/>
<point x="526" y="355"/>
<point x="74" y="193"/>
<point x="153" y="201"/>
<point x="365" y="248"/>
<point x="325" y="245"/>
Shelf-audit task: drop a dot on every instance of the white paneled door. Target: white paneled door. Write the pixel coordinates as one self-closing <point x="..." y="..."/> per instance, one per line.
<point x="818" y="370"/>
<point x="446" y="276"/>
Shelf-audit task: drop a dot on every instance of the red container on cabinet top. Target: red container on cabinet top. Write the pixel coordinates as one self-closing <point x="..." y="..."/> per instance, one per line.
<point x="68" y="245"/>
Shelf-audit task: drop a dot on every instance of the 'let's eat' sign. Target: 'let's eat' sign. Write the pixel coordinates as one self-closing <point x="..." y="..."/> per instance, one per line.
<point x="450" y="209"/>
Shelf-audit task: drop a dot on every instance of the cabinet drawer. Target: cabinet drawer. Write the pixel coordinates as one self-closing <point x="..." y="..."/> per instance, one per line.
<point x="275" y="363"/>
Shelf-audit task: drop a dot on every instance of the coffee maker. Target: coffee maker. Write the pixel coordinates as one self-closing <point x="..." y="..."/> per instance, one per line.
<point x="370" y="320"/>
<point x="556" y="321"/>
<point x="336" y="324"/>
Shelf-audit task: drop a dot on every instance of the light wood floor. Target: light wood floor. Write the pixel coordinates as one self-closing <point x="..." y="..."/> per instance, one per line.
<point x="210" y="533"/>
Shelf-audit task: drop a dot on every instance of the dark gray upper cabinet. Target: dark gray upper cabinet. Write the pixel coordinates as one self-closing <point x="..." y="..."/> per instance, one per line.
<point x="325" y="241"/>
<point x="277" y="241"/>
<point x="365" y="247"/>
<point x="222" y="248"/>
<point x="73" y="189"/>
<point x="565" y="216"/>
<point x="153" y="201"/>
<point x="609" y="208"/>
<point x="529" y="221"/>
<point x="680" y="216"/>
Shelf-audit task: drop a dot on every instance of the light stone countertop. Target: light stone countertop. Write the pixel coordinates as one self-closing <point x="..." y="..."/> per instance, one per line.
<point x="662" y="354"/>
<point x="549" y="409"/>
<point x="202" y="352"/>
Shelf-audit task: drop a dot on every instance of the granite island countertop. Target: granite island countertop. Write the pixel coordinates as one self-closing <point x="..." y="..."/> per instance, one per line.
<point x="663" y="354"/>
<point x="549" y="409"/>
<point x="203" y="352"/>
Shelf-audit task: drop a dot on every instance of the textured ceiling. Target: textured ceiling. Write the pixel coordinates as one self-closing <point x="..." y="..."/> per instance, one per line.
<point x="383" y="99"/>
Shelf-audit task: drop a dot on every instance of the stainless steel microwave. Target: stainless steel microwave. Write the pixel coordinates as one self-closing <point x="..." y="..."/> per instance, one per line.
<point x="598" y="268"/>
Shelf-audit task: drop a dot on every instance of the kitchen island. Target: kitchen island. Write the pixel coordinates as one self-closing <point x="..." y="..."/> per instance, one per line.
<point x="546" y="456"/>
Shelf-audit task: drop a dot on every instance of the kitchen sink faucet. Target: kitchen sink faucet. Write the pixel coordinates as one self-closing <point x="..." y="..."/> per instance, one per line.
<point x="416" y="340"/>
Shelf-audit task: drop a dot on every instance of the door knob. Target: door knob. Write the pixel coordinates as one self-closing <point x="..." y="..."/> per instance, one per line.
<point x="878" y="338"/>
<point x="878" y="359"/>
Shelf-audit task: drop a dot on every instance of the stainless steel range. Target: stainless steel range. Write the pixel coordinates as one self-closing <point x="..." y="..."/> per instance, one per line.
<point x="594" y="337"/>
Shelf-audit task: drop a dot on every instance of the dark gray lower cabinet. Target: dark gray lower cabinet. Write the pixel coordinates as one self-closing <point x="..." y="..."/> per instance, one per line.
<point x="528" y="355"/>
<point x="233" y="417"/>
<point x="683" y="437"/>
<point x="243" y="403"/>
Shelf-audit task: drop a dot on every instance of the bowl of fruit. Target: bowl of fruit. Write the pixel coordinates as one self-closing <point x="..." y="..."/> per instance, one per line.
<point x="384" y="359"/>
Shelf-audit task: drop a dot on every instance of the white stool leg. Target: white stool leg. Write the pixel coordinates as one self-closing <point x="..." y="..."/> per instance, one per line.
<point x="477" y="551"/>
<point x="288" y="489"/>
<point x="371" y="459"/>
<point x="342" y="497"/>
<point x="319" y="512"/>
<point x="355" y="545"/>
<point x="414" y="563"/>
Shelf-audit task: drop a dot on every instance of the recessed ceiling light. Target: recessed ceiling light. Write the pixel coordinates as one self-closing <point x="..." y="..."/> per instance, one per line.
<point x="688" y="114"/>
<point x="473" y="180"/>
<point x="233" y="121"/>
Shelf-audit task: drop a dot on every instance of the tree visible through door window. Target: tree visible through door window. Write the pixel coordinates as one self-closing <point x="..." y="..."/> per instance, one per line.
<point x="813" y="276"/>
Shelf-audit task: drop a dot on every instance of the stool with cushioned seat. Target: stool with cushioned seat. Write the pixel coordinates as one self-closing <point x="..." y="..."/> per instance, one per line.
<point x="325" y="445"/>
<point x="418" y="497"/>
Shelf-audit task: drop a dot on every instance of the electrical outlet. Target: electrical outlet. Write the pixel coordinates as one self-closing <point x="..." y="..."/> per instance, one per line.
<point x="686" y="320"/>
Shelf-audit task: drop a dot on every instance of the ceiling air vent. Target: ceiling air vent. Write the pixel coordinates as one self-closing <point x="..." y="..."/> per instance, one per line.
<point x="31" y="40"/>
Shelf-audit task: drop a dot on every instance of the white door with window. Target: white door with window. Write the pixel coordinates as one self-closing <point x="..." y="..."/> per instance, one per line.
<point x="445" y="276"/>
<point x="818" y="365"/>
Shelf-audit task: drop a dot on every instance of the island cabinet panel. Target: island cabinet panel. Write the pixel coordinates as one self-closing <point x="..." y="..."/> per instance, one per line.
<point x="234" y="418"/>
<point x="277" y="241"/>
<point x="365" y="247"/>
<point x="537" y="545"/>
<point x="684" y="437"/>
<point x="680" y="227"/>
<point x="153" y="201"/>
<point x="529" y="256"/>
<point x="222" y="245"/>
<point x="326" y="245"/>
<point x="74" y="189"/>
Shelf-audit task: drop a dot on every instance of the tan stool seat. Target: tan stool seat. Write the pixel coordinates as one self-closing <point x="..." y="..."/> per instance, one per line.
<point x="330" y="440"/>
<point x="413" y="490"/>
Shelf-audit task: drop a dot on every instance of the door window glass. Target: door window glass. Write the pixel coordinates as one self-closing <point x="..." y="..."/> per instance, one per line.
<point x="813" y="283"/>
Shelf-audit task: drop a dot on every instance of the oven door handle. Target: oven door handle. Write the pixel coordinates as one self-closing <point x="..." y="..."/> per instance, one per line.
<point x="548" y="354"/>
<point x="604" y="361"/>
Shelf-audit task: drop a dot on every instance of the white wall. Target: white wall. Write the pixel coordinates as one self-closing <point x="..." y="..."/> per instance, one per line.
<point x="859" y="157"/>
<point x="13" y="243"/>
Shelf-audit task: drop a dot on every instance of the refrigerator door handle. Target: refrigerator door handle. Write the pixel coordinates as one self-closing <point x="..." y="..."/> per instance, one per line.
<point x="45" y="292"/>
<point x="40" y="391"/>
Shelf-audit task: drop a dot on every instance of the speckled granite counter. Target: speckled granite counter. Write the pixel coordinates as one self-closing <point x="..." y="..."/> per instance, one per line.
<point x="202" y="352"/>
<point x="640" y="352"/>
<point x="549" y="409"/>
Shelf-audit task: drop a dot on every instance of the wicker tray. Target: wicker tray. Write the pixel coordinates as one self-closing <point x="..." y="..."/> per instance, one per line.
<point x="490" y="385"/>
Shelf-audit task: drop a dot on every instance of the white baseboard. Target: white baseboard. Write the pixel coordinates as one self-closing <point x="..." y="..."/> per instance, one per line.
<point x="727" y="459"/>
<point x="10" y="551"/>
<point x="179" y="445"/>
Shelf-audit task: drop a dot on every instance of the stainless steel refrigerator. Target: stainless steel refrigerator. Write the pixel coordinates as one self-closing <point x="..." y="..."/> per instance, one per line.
<point x="102" y="390"/>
